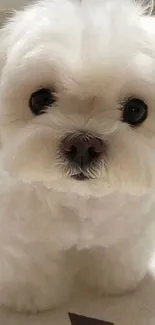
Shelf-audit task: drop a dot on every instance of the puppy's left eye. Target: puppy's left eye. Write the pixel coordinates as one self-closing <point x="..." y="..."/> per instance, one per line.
<point x="40" y="100"/>
<point x="134" y="111"/>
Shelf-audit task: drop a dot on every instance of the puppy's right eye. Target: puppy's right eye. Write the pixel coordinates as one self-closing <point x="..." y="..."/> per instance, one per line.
<point x="40" y="100"/>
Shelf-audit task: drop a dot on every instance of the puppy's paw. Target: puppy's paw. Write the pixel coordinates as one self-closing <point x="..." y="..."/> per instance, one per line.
<point x="34" y="289"/>
<point x="112" y="275"/>
<point x="31" y="300"/>
<point x="117" y="286"/>
<point x="112" y="283"/>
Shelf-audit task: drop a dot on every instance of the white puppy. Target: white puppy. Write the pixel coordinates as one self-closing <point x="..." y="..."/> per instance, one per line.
<point x="77" y="180"/>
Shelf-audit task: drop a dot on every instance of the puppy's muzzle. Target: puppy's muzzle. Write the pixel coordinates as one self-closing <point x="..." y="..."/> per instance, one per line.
<point x="82" y="151"/>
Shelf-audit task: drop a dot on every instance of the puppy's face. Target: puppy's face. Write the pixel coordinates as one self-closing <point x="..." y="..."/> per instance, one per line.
<point x="78" y="94"/>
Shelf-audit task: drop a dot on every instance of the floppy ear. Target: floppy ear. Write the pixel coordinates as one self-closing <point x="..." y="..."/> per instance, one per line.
<point x="5" y="40"/>
<point x="6" y="28"/>
<point x="2" y="51"/>
<point x="3" y="46"/>
<point x="4" y="32"/>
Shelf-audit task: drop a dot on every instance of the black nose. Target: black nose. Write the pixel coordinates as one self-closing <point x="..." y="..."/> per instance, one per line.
<point x="82" y="150"/>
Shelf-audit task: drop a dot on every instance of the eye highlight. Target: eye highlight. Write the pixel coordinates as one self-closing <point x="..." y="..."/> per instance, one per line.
<point x="40" y="100"/>
<point x="135" y="111"/>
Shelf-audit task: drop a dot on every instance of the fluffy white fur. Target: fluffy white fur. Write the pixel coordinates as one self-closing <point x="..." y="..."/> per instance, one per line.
<point x="54" y="229"/>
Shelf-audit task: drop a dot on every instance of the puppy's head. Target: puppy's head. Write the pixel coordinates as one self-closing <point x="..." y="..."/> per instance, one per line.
<point x="77" y="95"/>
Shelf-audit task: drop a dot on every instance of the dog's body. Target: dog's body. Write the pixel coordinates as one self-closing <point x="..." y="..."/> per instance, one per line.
<point x="77" y="187"/>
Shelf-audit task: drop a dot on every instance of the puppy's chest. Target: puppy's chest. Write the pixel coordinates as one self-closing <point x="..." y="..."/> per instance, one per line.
<point x="107" y="220"/>
<point x="36" y="214"/>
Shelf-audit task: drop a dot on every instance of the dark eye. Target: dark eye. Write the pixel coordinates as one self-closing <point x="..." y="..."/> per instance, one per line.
<point x="40" y="100"/>
<point x="134" y="111"/>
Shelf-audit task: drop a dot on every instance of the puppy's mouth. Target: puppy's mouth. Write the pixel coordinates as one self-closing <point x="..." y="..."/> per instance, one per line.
<point x="80" y="177"/>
